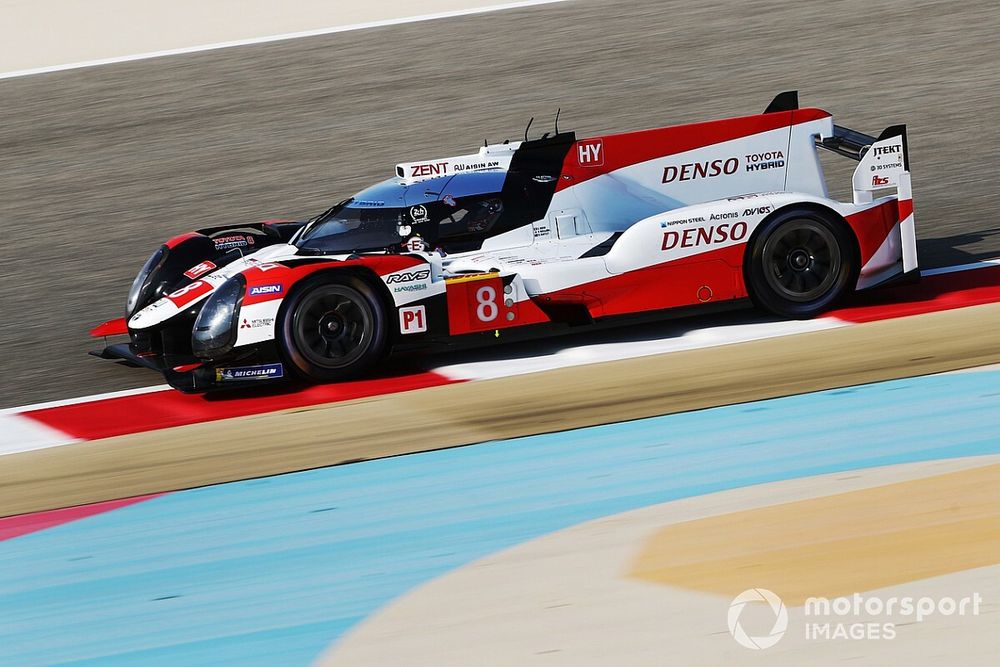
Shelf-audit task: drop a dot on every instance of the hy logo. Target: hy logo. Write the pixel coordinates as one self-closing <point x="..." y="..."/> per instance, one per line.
<point x="780" y="619"/>
<point x="590" y="153"/>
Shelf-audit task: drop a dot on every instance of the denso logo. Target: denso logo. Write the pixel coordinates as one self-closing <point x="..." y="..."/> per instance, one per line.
<point x="696" y="236"/>
<point x="258" y="290"/>
<point x="431" y="169"/>
<point x="694" y="170"/>
<point x="405" y="277"/>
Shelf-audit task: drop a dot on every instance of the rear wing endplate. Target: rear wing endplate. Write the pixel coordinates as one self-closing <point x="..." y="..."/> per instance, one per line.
<point x="883" y="163"/>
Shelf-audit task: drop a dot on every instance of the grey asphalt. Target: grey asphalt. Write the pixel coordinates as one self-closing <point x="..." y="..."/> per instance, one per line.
<point x="98" y="166"/>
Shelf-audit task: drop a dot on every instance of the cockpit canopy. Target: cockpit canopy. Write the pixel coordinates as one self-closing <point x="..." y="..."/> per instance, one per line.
<point x="454" y="213"/>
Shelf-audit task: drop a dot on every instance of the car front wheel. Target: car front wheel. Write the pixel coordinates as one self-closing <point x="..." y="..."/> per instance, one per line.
<point x="332" y="329"/>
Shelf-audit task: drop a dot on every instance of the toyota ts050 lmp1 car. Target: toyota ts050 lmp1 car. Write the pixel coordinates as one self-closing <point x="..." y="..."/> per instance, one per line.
<point x="550" y="231"/>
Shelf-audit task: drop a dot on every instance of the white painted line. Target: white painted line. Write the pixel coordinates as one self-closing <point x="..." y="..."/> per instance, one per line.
<point x="974" y="369"/>
<point x="981" y="264"/>
<point x="282" y="37"/>
<point x="84" y="399"/>
<point x="23" y="434"/>
<point x="687" y="339"/>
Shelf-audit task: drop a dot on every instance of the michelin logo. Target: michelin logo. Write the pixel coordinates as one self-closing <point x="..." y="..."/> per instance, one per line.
<point x="266" y="372"/>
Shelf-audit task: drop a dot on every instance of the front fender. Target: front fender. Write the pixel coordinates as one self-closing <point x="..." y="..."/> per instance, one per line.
<point x="399" y="279"/>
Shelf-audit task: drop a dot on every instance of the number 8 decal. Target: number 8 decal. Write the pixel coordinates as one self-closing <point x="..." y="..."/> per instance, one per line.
<point x="487" y="309"/>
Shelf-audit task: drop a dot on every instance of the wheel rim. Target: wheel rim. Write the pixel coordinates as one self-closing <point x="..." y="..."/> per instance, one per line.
<point x="802" y="260"/>
<point x="332" y="326"/>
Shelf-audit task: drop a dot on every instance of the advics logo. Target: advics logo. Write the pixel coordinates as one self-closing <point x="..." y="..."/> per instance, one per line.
<point x="780" y="618"/>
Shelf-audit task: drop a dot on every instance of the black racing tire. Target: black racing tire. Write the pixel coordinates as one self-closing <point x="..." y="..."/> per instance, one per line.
<point x="801" y="263"/>
<point x="332" y="328"/>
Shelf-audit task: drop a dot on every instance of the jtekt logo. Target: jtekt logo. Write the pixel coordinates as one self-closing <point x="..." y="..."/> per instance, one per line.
<point x="780" y="618"/>
<point x="886" y="150"/>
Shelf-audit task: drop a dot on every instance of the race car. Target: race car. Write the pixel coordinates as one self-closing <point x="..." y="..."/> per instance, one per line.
<point x="529" y="235"/>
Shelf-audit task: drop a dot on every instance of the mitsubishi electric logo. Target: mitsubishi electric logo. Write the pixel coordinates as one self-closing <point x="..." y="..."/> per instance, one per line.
<point x="780" y="618"/>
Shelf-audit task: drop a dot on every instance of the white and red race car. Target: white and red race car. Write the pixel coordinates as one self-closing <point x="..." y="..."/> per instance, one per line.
<point x="536" y="233"/>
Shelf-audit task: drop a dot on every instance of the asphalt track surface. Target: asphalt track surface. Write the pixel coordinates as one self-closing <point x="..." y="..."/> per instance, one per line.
<point x="490" y="410"/>
<point x="98" y="166"/>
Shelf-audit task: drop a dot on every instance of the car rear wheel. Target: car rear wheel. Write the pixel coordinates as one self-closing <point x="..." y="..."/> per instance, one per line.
<point x="333" y="329"/>
<point x="801" y="263"/>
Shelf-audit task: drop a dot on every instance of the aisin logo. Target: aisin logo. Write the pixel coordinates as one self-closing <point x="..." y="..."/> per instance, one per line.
<point x="780" y="618"/>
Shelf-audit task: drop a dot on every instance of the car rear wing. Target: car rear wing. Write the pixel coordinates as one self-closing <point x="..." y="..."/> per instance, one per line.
<point x="847" y="142"/>
<point x="883" y="163"/>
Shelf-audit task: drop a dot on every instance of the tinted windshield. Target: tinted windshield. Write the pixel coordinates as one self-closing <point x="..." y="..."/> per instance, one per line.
<point x="352" y="228"/>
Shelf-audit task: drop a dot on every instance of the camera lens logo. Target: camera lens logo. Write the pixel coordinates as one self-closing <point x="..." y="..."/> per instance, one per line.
<point x="419" y="214"/>
<point x="780" y="618"/>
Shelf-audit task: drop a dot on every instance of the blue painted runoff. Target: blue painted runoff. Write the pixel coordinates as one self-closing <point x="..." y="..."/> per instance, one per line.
<point x="272" y="571"/>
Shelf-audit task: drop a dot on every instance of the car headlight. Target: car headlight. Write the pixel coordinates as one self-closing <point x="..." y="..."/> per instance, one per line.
<point x="139" y="292"/>
<point x="214" y="331"/>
